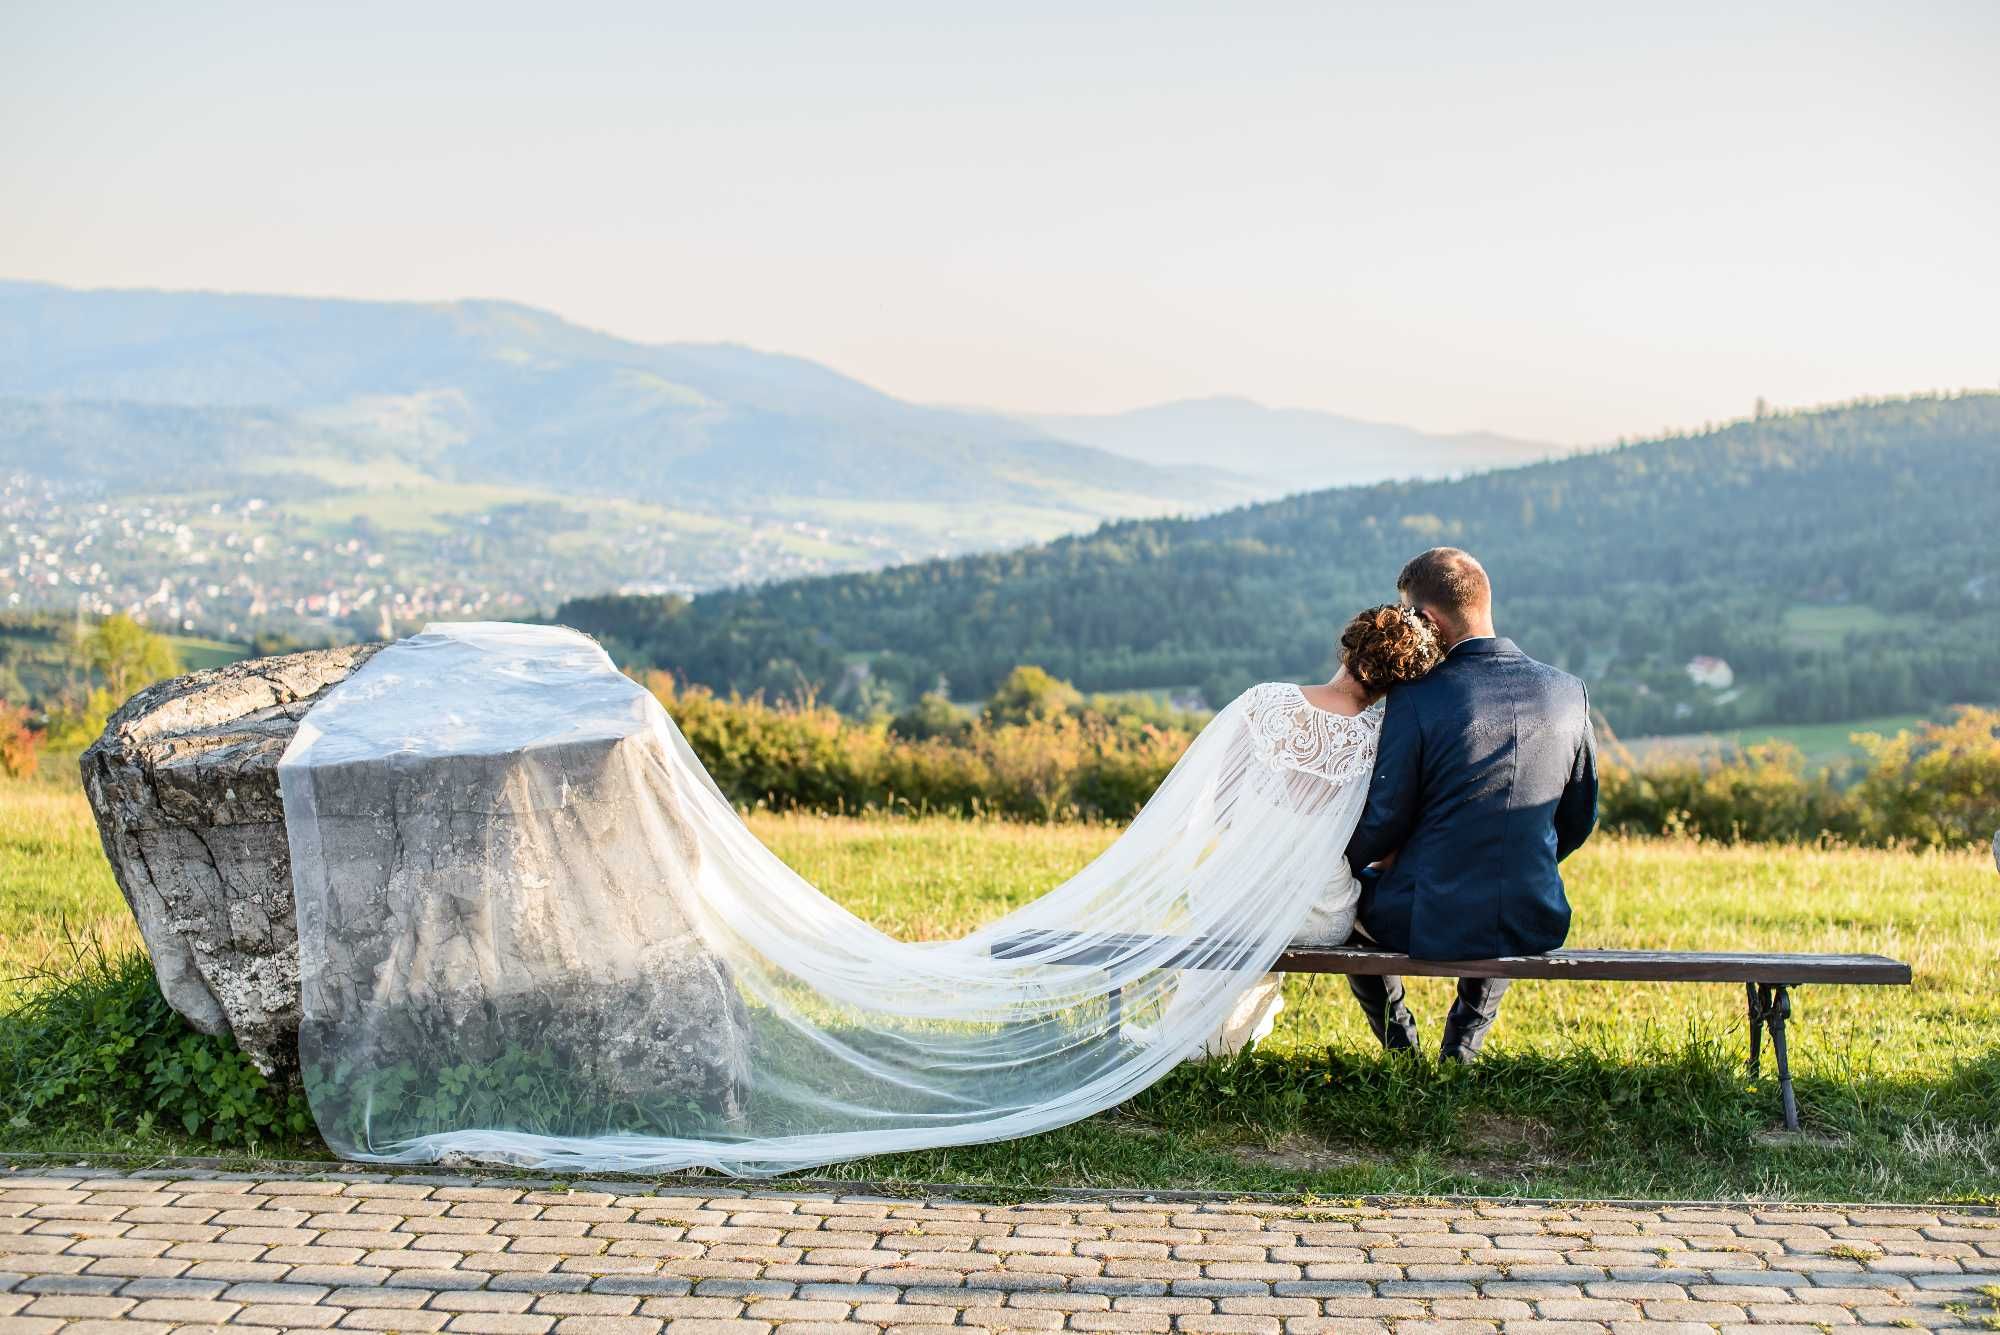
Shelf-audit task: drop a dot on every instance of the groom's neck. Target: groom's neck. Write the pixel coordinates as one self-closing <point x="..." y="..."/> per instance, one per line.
<point x="1472" y="630"/>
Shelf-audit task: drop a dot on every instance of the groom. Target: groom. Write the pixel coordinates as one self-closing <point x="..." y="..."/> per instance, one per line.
<point x="1485" y="778"/>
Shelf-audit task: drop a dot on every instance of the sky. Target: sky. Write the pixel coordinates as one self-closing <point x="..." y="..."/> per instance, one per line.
<point x="1551" y="220"/>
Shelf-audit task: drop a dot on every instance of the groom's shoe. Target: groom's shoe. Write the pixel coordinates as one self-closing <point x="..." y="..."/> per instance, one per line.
<point x="1471" y="1017"/>
<point x="1382" y="1002"/>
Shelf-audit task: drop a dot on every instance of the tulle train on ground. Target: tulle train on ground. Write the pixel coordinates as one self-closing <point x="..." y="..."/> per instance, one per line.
<point x="533" y="931"/>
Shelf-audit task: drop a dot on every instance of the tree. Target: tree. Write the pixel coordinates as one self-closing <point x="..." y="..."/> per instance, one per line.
<point x="1029" y="693"/>
<point x="933" y="715"/>
<point x="126" y="656"/>
<point x="75" y="724"/>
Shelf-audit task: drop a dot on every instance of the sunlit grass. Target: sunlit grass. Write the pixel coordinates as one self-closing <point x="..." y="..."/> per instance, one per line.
<point x="1592" y="1089"/>
<point x="1938" y="912"/>
<point x="55" y="886"/>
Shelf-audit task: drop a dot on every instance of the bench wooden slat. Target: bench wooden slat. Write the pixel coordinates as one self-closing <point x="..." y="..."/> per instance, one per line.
<point x="1638" y="966"/>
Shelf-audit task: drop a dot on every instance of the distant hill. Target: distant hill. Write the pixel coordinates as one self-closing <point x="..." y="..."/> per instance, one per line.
<point x="1841" y="561"/>
<point x="1294" y="449"/>
<point x="495" y="393"/>
<point x="328" y="468"/>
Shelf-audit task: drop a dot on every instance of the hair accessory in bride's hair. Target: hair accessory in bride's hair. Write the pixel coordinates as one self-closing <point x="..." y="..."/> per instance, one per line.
<point x="1417" y="622"/>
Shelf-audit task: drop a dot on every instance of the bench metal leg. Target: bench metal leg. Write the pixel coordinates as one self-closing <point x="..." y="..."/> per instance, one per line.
<point x="1770" y="1007"/>
<point x="1756" y="1029"/>
<point x="1116" y="998"/>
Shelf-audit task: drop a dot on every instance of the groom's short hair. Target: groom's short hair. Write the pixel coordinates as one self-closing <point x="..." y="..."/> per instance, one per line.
<point x="1448" y="582"/>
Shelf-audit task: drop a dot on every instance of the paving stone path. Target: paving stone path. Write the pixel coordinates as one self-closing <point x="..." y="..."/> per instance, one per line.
<point x="84" y="1252"/>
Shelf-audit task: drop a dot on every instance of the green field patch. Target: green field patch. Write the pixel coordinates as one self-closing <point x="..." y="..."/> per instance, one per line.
<point x="1826" y="626"/>
<point x="414" y="509"/>
<point x="1822" y="744"/>
<point x="196" y="653"/>
<point x="376" y="473"/>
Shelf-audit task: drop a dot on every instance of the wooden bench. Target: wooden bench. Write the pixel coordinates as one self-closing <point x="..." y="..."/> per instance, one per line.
<point x="1767" y="978"/>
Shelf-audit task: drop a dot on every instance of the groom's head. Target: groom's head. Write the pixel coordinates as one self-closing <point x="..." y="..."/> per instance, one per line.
<point x="1451" y="591"/>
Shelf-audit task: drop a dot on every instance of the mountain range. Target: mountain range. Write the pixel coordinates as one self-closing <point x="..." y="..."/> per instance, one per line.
<point x="490" y="392"/>
<point x="1290" y="449"/>
<point x="723" y="463"/>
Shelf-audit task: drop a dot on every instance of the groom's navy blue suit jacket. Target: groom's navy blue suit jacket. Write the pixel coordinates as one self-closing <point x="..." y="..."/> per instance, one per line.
<point x="1485" y="778"/>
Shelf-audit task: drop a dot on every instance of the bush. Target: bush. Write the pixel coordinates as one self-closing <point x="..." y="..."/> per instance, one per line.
<point x="20" y="745"/>
<point x="1936" y="787"/>
<point x="96" y="1045"/>
<point x="933" y="715"/>
<point x="1762" y="795"/>
<point x="1039" y="753"/>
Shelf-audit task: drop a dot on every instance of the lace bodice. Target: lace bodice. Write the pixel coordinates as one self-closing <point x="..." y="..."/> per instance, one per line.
<point x="1290" y="733"/>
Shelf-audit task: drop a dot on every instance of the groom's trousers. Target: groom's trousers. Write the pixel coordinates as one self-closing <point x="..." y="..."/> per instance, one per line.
<point x="1472" y="1013"/>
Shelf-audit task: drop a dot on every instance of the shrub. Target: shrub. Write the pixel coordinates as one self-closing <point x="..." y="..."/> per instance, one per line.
<point x="931" y="716"/>
<point x="1762" y="795"/>
<point x="97" y="1046"/>
<point x="1039" y="752"/>
<point x="1937" y="786"/>
<point x="20" y="745"/>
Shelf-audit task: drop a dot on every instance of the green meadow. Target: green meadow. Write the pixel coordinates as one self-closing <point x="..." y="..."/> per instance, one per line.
<point x="1589" y="1090"/>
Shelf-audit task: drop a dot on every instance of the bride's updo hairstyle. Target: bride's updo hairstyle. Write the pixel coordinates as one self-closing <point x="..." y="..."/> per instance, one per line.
<point x="1388" y="645"/>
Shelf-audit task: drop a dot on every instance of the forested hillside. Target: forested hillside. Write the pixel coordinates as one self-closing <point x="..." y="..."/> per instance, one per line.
<point x="1842" y="562"/>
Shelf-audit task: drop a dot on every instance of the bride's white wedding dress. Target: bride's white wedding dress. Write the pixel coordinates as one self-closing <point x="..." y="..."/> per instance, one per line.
<point x="532" y="929"/>
<point x="1302" y="749"/>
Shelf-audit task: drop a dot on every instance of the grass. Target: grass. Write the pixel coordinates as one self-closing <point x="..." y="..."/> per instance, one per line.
<point x="196" y="653"/>
<point x="55" y="886"/>
<point x="1822" y="744"/>
<point x="1589" y="1090"/>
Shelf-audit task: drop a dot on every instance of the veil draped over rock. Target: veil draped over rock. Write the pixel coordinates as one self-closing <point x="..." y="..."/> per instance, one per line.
<point x="532" y="930"/>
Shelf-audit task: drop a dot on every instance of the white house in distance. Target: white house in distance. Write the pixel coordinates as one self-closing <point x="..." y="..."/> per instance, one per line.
<point x="1713" y="673"/>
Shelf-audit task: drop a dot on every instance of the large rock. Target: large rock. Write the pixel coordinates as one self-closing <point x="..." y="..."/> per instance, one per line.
<point x="503" y="913"/>
<point x="184" y="784"/>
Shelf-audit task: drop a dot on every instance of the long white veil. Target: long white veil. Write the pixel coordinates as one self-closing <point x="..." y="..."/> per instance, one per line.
<point x="531" y="929"/>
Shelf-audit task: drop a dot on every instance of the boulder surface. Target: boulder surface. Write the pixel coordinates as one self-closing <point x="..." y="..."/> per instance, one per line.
<point x="184" y="785"/>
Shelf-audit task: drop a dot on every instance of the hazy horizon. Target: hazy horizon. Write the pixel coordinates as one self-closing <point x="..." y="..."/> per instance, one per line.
<point x="1552" y="223"/>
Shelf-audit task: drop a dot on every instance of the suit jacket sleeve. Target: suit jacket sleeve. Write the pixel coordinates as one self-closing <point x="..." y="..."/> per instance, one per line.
<point x="1576" y="813"/>
<point x="1394" y="790"/>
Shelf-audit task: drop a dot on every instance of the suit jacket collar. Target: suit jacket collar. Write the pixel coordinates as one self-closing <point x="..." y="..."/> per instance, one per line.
<point x="1483" y="646"/>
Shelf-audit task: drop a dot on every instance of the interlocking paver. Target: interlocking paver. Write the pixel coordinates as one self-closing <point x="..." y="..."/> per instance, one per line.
<point x="288" y="1316"/>
<point x="121" y="1254"/>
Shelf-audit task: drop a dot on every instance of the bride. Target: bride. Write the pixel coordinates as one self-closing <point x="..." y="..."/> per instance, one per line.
<point x="532" y="930"/>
